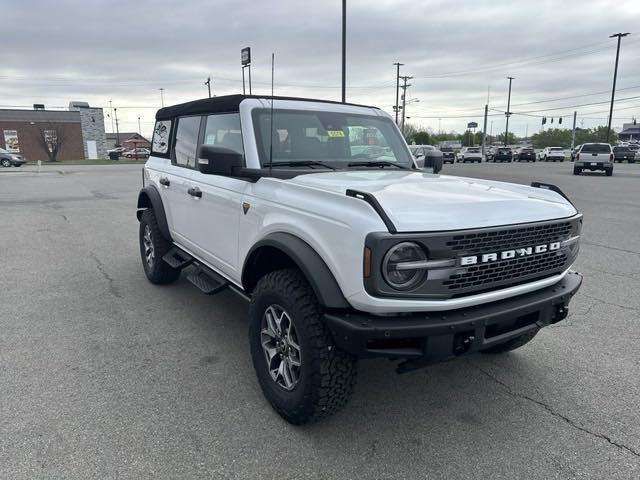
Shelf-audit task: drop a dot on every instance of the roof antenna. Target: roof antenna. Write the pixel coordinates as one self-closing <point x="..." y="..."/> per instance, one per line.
<point x="271" y="122"/>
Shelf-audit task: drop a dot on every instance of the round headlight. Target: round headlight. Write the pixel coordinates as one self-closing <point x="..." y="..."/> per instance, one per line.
<point x="403" y="277"/>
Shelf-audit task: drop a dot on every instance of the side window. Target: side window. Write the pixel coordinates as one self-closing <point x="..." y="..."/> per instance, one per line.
<point x="224" y="130"/>
<point x="161" y="132"/>
<point x="187" y="141"/>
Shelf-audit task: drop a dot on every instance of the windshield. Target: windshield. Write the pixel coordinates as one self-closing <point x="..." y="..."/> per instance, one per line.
<point x="596" y="148"/>
<point x="504" y="150"/>
<point x="2" y="150"/>
<point x="556" y="149"/>
<point x="474" y="150"/>
<point x="335" y="139"/>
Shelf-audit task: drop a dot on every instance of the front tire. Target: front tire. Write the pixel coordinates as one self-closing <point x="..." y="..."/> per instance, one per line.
<point x="512" y="344"/>
<point x="153" y="246"/>
<point x="301" y="372"/>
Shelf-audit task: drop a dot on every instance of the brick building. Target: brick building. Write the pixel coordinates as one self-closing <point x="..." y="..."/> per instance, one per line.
<point x="78" y="133"/>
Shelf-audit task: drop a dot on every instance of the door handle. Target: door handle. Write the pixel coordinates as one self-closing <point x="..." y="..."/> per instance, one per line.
<point x="164" y="181"/>
<point x="195" y="192"/>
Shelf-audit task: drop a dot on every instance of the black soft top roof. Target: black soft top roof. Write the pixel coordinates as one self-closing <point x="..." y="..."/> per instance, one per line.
<point x="227" y="103"/>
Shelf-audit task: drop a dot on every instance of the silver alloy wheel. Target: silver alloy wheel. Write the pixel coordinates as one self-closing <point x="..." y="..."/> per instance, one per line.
<point x="281" y="347"/>
<point x="6" y="163"/>
<point x="149" y="251"/>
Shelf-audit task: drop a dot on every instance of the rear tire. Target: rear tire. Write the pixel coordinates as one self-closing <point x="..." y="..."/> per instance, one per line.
<point x="153" y="246"/>
<point x="6" y="163"/>
<point x="609" y="172"/>
<point x="512" y="344"/>
<point x="576" y="170"/>
<point x="325" y="376"/>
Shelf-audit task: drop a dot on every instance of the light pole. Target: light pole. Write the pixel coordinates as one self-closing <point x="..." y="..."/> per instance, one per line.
<point x="344" y="51"/>
<point x="139" y="128"/>
<point x="162" y="97"/>
<point x="398" y="65"/>
<point x="508" y="114"/>
<point x="208" y="84"/>
<point x="404" y="98"/>
<point x="615" y="75"/>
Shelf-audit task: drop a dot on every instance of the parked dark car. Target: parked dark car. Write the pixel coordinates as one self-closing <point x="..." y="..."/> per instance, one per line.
<point x="8" y="159"/>
<point x="448" y="155"/>
<point x="503" y="154"/>
<point x="528" y="154"/>
<point x="621" y="154"/>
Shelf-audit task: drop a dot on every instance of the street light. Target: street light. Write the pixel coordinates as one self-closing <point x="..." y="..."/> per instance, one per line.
<point x="615" y="76"/>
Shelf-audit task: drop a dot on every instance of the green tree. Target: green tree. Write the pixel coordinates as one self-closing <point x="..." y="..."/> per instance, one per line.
<point x="552" y="137"/>
<point x="510" y="140"/>
<point x="420" y="138"/>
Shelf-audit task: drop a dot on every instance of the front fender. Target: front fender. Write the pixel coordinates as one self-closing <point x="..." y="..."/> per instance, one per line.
<point x="149" y="197"/>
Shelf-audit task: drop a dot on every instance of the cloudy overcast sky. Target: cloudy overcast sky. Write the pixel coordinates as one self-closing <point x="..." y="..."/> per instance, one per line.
<point x="124" y="52"/>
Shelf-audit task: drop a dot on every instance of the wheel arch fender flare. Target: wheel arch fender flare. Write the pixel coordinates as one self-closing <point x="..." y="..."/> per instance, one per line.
<point x="149" y="197"/>
<point x="304" y="257"/>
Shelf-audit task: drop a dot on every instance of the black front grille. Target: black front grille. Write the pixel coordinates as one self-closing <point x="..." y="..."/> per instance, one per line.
<point x="510" y="270"/>
<point x="482" y="242"/>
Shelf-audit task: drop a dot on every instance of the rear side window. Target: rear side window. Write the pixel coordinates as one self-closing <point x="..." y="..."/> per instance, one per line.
<point x="595" y="148"/>
<point x="187" y="141"/>
<point x="161" y="133"/>
<point x="224" y="130"/>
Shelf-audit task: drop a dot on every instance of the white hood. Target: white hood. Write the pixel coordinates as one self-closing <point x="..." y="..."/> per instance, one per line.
<point x="416" y="201"/>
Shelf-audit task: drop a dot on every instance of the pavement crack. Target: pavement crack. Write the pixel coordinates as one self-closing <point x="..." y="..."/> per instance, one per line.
<point x="625" y="307"/>
<point x="112" y="287"/>
<point x="556" y="414"/>
<point x="608" y="247"/>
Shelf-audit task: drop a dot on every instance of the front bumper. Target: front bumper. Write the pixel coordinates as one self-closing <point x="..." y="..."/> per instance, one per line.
<point x="437" y="336"/>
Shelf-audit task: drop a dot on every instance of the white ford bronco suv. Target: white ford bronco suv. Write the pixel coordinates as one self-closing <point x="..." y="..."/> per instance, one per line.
<point x="316" y="213"/>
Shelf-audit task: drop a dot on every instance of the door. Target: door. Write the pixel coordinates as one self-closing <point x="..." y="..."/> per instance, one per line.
<point x="92" y="150"/>
<point x="215" y="201"/>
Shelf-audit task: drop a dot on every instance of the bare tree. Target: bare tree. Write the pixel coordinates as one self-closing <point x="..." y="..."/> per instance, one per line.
<point x="51" y="136"/>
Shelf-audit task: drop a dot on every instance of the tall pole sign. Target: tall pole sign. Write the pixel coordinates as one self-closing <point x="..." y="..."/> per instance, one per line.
<point x="245" y="60"/>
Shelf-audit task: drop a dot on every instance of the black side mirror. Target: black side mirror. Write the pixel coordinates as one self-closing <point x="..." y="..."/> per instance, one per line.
<point x="217" y="160"/>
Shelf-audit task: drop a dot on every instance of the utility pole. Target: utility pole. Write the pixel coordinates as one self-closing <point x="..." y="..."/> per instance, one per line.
<point x="615" y="75"/>
<point x="111" y="107"/>
<point x="397" y="110"/>
<point x="573" y="131"/>
<point x="484" y="129"/>
<point x="208" y="84"/>
<point x="139" y="128"/>
<point x="508" y="114"/>
<point x="404" y="98"/>
<point x="162" y="97"/>
<point x="115" y="113"/>
<point x="344" y="51"/>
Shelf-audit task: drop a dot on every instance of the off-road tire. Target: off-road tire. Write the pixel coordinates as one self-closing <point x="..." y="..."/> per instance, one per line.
<point x="159" y="272"/>
<point x="512" y="344"/>
<point x="327" y="375"/>
<point x="577" y="170"/>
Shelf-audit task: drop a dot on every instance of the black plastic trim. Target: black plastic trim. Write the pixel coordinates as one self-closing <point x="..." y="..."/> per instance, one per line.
<point x="373" y="201"/>
<point x="155" y="202"/>
<point x="553" y="188"/>
<point x="432" y="335"/>
<point x="308" y="261"/>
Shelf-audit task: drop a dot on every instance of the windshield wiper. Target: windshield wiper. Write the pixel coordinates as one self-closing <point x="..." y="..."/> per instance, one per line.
<point x="377" y="163"/>
<point x="301" y="163"/>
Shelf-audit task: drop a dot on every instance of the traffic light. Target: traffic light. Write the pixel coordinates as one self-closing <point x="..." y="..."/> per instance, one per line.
<point x="544" y="120"/>
<point x="560" y="120"/>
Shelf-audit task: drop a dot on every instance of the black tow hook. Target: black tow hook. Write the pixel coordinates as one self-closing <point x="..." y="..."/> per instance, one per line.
<point x="562" y="311"/>
<point x="462" y="343"/>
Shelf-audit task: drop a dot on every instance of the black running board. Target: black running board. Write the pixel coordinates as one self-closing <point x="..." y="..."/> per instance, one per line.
<point x="177" y="258"/>
<point x="208" y="281"/>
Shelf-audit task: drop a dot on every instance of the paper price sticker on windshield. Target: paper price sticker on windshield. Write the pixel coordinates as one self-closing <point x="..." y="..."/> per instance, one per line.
<point x="335" y="133"/>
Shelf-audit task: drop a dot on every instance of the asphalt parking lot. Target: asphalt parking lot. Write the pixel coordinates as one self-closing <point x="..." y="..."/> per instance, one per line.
<point x="103" y="375"/>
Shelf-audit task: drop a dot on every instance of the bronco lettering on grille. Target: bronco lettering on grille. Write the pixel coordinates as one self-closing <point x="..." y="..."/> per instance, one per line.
<point x="508" y="254"/>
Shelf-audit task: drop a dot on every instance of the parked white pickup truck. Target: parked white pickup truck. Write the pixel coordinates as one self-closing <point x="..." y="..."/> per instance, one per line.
<point x="594" y="156"/>
<point x="316" y="213"/>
